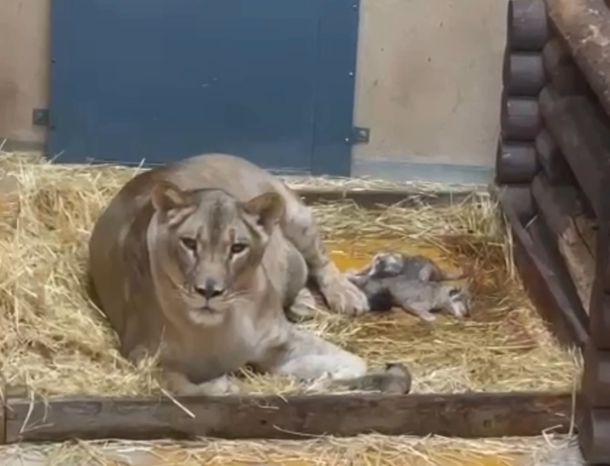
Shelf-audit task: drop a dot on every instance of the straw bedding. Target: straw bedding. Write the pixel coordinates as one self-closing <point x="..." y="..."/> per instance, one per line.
<point x="55" y="342"/>
<point x="365" y="450"/>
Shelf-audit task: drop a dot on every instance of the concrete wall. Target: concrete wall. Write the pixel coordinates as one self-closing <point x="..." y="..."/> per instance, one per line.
<point x="428" y="83"/>
<point x="24" y="67"/>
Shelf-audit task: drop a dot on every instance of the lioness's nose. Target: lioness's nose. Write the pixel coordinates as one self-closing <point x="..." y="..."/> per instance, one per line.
<point x="211" y="289"/>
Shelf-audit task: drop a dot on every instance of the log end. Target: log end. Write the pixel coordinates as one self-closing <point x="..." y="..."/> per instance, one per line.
<point x="527" y="25"/>
<point x="515" y="163"/>
<point x="520" y="118"/>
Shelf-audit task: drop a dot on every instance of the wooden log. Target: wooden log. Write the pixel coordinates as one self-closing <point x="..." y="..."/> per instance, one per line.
<point x="534" y="262"/>
<point x="585" y="26"/>
<point x="593" y="434"/>
<point x="600" y="315"/>
<point x="581" y="133"/>
<point x="461" y="415"/>
<point x="523" y="74"/>
<point x="515" y="162"/>
<point x="596" y="376"/>
<point x="2" y="414"/>
<point x="527" y="25"/>
<point x="561" y="70"/>
<point x="518" y="197"/>
<point x="575" y="234"/>
<point x="600" y="299"/>
<point x="520" y="119"/>
<point x="552" y="160"/>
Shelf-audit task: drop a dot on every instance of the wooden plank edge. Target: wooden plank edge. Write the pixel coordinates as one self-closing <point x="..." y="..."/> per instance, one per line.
<point x="541" y="283"/>
<point x="3" y="409"/>
<point x="575" y="125"/>
<point x="555" y="206"/>
<point x="372" y="198"/>
<point x="584" y="26"/>
<point x="471" y="415"/>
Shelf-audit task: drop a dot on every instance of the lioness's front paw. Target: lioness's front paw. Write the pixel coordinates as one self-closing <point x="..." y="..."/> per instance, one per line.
<point x="344" y="297"/>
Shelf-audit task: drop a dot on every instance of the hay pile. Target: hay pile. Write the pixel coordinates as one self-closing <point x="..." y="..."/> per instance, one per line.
<point x="365" y="450"/>
<point x="54" y="341"/>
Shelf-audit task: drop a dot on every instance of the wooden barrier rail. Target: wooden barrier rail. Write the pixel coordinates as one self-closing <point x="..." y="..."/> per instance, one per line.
<point x="473" y="415"/>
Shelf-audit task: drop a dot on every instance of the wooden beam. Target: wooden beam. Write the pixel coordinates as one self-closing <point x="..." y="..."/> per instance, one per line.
<point x="519" y="196"/>
<point x="596" y="377"/>
<point x="582" y="134"/>
<point x="585" y="27"/>
<point x="561" y="70"/>
<point x="600" y="297"/>
<point x="552" y="160"/>
<point x="594" y="432"/>
<point x="472" y="415"/>
<point x="575" y="239"/>
<point x="536" y="267"/>
<point x="2" y="417"/>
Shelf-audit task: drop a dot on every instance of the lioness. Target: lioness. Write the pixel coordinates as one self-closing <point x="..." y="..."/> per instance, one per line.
<point x="197" y="261"/>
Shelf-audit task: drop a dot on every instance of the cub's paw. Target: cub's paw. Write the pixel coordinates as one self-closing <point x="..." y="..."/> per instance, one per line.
<point x="344" y="297"/>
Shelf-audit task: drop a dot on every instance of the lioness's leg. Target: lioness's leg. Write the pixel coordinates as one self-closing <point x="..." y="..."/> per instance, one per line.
<point x="304" y="306"/>
<point x="179" y="385"/>
<point x="357" y="278"/>
<point x="341" y="295"/>
<point x="308" y="357"/>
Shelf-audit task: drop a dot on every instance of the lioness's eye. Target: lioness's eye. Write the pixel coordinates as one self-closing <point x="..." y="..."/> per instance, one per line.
<point x="237" y="248"/>
<point x="189" y="243"/>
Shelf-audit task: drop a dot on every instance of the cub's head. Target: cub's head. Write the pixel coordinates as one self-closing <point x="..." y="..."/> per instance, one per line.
<point x="456" y="300"/>
<point x="211" y="245"/>
<point x="386" y="264"/>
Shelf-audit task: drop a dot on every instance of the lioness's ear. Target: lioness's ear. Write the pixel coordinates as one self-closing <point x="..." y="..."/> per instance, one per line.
<point x="268" y="208"/>
<point x="167" y="196"/>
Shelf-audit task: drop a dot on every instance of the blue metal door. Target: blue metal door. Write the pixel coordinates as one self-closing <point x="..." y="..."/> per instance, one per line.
<point x="160" y="80"/>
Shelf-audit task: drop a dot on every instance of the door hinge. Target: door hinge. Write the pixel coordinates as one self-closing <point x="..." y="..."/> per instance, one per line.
<point x="40" y="117"/>
<point x="360" y="135"/>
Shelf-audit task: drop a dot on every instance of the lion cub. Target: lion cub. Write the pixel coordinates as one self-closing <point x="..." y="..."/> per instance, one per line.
<point x="413" y="283"/>
<point x="411" y="267"/>
<point x="198" y="261"/>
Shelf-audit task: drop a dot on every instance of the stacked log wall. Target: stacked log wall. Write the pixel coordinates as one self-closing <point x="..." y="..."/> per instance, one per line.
<point x="559" y="50"/>
<point x="523" y="78"/>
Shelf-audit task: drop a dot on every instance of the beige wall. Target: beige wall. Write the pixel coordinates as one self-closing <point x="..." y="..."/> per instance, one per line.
<point x="24" y="67"/>
<point x="428" y="83"/>
<point x="429" y="79"/>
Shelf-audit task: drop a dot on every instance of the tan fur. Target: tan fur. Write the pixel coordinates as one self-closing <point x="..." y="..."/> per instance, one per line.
<point x="169" y="270"/>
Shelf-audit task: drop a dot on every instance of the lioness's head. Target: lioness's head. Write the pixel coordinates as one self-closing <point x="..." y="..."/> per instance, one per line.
<point x="212" y="245"/>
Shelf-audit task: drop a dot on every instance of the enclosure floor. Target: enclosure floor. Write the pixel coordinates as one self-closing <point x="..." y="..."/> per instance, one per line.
<point x="358" y="451"/>
<point x="55" y="343"/>
<point x="500" y="346"/>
